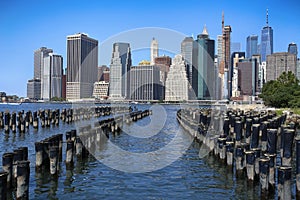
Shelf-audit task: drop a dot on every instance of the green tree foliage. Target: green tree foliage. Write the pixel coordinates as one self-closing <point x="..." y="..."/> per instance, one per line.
<point x="283" y="92"/>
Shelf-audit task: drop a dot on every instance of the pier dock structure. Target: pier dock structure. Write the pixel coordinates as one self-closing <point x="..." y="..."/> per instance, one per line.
<point x="251" y="143"/>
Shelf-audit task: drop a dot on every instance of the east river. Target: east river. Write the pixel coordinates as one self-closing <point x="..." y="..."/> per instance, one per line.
<point x="160" y="162"/>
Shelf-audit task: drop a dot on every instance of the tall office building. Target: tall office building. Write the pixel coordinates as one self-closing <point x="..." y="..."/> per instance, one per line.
<point x="144" y="83"/>
<point x="82" y="66"/>
<point x="235" y="47"/>
<point x="39" y="56"/>
<point x="177" y="81"/>
<point x="293" y="48"/>
<point x="119" y="87"/>
<point x="188" y="46"/>
<point x="298" y="69"/>
<point x="266" y="45"/>
<point x="34" y="89"/>
<point x="251" y="45"/>
<point x="224" y="51"/>
<point x="277" y="63"/>
<point x="154" y="50"/>
<point x="248" y="77"/>
<point x="51" y="77"/>
<point x="204" y="78"/>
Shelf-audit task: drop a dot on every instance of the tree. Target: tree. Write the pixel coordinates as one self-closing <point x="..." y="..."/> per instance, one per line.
<point x="283" y="92"/>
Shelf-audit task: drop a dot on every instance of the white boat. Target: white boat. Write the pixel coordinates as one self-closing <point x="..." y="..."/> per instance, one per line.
<point x="11" y="104"/>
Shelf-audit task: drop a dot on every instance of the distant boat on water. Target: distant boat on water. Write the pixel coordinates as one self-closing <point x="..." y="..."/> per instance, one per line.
<point x="11" y="104"/>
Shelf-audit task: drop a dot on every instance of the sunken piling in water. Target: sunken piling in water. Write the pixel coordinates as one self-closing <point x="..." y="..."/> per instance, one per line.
<point x="3" y="185"/>
<point x="7" y="166"/>
<point x="23" y="172"/>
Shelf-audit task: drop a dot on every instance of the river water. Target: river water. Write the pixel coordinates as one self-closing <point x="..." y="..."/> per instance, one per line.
<point x="148" y="171"/>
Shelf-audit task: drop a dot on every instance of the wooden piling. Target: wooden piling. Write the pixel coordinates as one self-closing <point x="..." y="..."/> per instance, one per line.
<point x="23" y="172"/>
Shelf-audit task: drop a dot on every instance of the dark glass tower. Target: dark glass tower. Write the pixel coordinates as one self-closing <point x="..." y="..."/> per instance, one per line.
<point x="252" y="41"/>
<point x="266" y="40"/>
<point x="205" y="75"/>
<point x="293" y="48"/>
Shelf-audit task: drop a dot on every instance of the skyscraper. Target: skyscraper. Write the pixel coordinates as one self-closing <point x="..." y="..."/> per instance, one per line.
<point x="248" y="77"/>
<point x="119" y="87"/>
<point x="39" y="55"/>
<point x="266" y="47"/>
<point x="34" y="89"/>
<point x="187" y="46"/>
<point x="82" y="66"/>
<point x="177" y="81"/>
<point x="204" y="83"/>
<point x="235" y="58"/>
<point x="252" y="42"/>
<point x="293" y="48"/>
<point x="224" y="51"/>
<point x="154" y="50"/>
<point x="51" y="77"/>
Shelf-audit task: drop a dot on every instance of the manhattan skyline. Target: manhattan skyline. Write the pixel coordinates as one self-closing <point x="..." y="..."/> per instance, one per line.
<point x="27" y="26"/>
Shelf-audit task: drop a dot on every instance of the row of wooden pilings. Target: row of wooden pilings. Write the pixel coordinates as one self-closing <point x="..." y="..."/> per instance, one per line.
<point x="252" y="143"/>
<point x="79" y="145"/>
<point x="22" y="120"/>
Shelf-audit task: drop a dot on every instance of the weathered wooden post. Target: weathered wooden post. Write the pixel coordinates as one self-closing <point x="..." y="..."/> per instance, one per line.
<point x="298" y="165"/>
<point x="7" y="166"/>
<point x="6" y="121"/>
<point x="13" y="122"/>
<point x="264" y="135"/>
<point x="53" y="154"/>
<point x="23" y="172"/>
<point x="39" y="154"/>
<point x="264" y="176"/>
<point x="250" y="160"/>
<point x="70" y="150"/>
<point x="288" y="147"/>
<point x="229" y="152"/>
<point x="35" y="122"/>
<point x="239" y="160"/>
<point x="284" y="183"/>
<point x="255" y="136"/>
<point x="272" y="164"/>
<point x="238" y="132"/>
<point x="3" y="185"/>
<point x="248" y="130"/>
<point x="272" y="141"/>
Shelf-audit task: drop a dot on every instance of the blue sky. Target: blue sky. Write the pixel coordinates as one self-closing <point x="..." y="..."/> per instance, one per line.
<point x="28" y="25"/>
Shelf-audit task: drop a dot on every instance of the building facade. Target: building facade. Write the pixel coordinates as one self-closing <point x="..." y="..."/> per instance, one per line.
<point x="251" y="45"/>
<point x="266" y="45"/>
<point x="34" y="89"/>
<point x="248" y="77"/>
<point x="145" y="83"/>
<point x="277" y="63"/>
<point x="177" y="81"/>
<point x="51" y="77"/>
<point x="119" y="87"/>
<point x="101" y="90"/>
<point x="39" y="56"/>
<point x="82" y="66"/>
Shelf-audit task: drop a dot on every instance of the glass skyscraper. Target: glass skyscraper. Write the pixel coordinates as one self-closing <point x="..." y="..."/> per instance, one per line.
<point x="293" y="48"/>
<point x="251" y="49"/>
<point x="266" y="47"/>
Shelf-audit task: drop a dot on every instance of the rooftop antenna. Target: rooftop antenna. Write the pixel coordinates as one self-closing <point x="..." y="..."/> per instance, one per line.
<point x="222" y="21"/>
<point x="267" y="17"/>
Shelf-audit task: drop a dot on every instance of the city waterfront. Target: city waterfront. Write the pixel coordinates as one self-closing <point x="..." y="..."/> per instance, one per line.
<point x="187" y="177"/>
